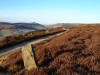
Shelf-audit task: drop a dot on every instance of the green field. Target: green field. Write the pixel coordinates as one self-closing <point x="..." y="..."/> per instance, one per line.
<point x="8" y="32"/>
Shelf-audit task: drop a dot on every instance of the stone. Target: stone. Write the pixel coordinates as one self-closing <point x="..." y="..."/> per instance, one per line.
<point x="29" y="58"/>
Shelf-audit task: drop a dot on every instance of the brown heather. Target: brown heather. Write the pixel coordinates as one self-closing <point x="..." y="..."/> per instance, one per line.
<point x="19" y="38"/>
<point x="76" y="52"/>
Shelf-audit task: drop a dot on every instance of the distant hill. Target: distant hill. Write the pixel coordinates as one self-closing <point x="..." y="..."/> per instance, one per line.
<point x="35" y="26"/>
<point x="70" y="24"/>
<point x="61" y="25"/>
<point x="7" y="29"/>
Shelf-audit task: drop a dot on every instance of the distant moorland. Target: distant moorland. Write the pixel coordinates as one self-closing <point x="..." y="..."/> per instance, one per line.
<point x="7" y="29"/>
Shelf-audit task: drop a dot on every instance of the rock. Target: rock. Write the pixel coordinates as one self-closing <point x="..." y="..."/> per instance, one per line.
<point x="29" y="58"/>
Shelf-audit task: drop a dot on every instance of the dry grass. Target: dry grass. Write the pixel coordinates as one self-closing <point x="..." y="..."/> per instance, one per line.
<point x="16" y="39"/>
<point x="76" y="52"/>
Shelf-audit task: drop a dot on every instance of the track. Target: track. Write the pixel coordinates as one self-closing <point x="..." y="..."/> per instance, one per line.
<point x="19" y="46"/>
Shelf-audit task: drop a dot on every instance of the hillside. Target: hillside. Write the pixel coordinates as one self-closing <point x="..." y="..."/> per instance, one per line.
<point x="69" y="25"/>
<point x="76" y="52"/>
<point x="9" y="32"/>
<point x="62" y="25"/>
<point x="17" y="28"/>
<point x="15" y="39"/>
<point x="6" y="25"/>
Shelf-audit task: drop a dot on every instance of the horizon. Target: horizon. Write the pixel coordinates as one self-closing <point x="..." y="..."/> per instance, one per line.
<point x="49" y="24"/>
<point x="50" y="12"/>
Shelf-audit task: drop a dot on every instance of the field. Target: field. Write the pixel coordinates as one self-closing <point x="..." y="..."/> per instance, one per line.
<point x="76" y="52"/>
<point x="9" y="32"/>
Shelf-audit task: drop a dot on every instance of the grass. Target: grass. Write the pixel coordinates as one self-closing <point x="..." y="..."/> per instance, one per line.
<point x="76" y="52"/>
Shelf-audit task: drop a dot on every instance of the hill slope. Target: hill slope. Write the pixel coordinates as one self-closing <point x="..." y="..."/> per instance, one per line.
<point x="5" y="25"/>
<point x="16" y="28"/>
<point x="61" y="25"/>
<point x="76" y="52"/>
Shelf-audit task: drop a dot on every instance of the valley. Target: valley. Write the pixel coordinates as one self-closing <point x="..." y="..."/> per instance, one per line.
<point x="8" y="29"/>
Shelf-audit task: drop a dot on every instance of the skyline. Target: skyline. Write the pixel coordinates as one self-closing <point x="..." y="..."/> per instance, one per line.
<point x="50" y="11"/>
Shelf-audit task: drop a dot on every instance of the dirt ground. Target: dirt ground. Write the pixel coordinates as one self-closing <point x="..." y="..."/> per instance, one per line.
<point x="76" y="52"/>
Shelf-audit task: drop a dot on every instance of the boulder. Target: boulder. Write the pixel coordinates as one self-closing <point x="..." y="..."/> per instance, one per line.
<point x="29" y="58"/>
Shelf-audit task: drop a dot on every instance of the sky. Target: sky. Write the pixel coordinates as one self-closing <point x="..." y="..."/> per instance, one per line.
<point x="50" y="11"/>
